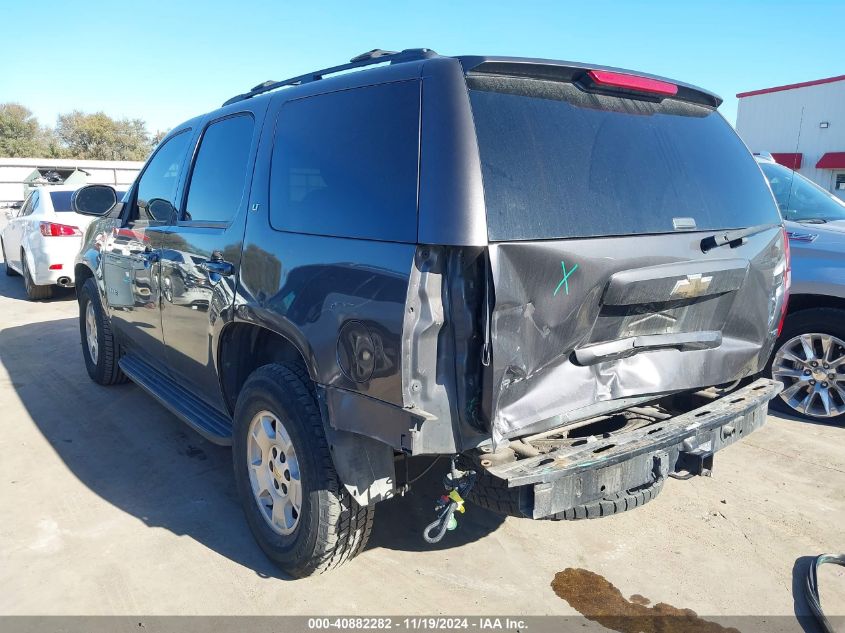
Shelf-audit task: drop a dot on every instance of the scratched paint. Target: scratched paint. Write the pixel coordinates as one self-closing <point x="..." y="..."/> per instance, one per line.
<point x="565" y="281"/>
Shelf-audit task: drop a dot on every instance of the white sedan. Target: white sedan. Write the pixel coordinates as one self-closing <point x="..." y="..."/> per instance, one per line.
<point x="41" y="240"/>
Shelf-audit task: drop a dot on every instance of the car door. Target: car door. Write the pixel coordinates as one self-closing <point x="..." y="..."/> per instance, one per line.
<point x="12" y="234"/>
<point x="200" y="255"/>
<point x="131" y="252"/>
<point x="20" y="226"/>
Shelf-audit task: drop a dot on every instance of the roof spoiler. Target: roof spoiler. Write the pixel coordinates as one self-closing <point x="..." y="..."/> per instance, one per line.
<point x="572" y="72"/>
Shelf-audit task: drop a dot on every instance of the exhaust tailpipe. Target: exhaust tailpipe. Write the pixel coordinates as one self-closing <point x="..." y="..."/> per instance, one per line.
<point x="64" y="282"/>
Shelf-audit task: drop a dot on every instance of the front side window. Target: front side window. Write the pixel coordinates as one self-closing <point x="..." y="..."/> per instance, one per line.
<point x="345" y="164"/>
<point x="219" y="177"/>
<point x="156" y="198"/>
<point x="799" y="199"/>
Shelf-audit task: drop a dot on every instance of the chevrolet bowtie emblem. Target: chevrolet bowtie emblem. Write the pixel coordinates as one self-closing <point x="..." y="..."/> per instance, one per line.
<point x="693" y="286"/>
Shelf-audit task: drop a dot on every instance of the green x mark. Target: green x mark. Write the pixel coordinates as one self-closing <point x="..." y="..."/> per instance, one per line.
<point x="564" y="282"/>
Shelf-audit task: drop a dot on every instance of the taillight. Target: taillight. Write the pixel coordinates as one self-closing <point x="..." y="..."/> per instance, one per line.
<point x="610" y="79"/>
<point x="787" y="280"/>
<point x="51" y="229"/>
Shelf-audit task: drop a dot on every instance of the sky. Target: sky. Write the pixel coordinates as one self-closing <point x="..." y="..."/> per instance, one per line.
<point x="167" y="61"/>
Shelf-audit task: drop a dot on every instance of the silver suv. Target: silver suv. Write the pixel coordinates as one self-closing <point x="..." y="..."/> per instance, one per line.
<point x="809" y="357"/>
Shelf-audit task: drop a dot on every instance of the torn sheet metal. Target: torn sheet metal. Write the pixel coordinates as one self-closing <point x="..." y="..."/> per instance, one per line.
<point x="654" y="294"/>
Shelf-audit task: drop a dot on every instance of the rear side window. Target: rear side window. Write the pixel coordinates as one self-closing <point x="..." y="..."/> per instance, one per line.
<point x="219" y="177"/>
<point x="28" y="205"/>
<point x="61" y="200"/>
<point x="345" y="164"/>
<point x="559" y="162"/>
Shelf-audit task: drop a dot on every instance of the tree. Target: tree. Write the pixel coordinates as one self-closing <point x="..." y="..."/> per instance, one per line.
<point x="158" y="137"/>
<point x="20" y="133"/>
<point x="99" y="137"/>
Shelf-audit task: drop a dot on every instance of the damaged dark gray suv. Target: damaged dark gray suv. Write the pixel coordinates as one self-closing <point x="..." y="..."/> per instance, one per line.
<point x="565" y="278"/>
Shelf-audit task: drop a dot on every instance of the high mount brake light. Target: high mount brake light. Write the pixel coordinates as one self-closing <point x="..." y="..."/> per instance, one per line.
<point x="51" y="229"/>
<point x="610" y="79"/>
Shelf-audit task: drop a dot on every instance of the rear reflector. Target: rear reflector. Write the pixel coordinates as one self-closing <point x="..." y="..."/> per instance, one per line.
<point x="609" y="79"/>
<point x="51" y="229"/>
<point x="55" y="266"/>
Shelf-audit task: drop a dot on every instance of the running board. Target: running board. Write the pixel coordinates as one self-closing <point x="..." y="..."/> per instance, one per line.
<point x="204" y="419"/>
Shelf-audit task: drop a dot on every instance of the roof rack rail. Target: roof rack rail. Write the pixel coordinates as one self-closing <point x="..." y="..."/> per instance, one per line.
<point x="375" y="56"/>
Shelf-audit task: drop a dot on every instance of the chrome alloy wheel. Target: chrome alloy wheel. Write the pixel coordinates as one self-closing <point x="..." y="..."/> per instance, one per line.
<point x="812" y="369"/>
<point x="91" y="332"/>
<point x="274" y="472"/>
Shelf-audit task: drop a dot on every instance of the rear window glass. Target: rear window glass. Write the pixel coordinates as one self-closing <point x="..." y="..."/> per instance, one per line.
<point x="559" y="162"/>
<point x="801" y="200"/>
<point x="61" y="200"/>
<point x="345" y="164"/>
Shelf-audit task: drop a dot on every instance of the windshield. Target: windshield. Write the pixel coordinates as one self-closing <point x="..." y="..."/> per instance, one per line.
<point x="560" y="162"/>
<point x="61" y="200"/>
<point x="799" y="199"/>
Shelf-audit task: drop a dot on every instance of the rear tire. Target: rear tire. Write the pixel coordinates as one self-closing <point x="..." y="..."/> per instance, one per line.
<point x="33" y="291"/>
<point x="278" y="424"/>
<point x="9" y="271"/>
<point x="101" y="351"/>
<point x="493" y="494"/>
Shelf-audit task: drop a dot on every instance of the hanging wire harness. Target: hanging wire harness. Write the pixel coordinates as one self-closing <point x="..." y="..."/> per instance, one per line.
<point x="458" y="483"/>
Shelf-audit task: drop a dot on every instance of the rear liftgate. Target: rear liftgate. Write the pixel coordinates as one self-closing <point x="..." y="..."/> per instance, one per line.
<point x="585" y="327"/>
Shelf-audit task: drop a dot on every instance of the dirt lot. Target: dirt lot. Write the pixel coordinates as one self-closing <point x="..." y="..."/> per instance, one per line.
<point x="109" y="505"/>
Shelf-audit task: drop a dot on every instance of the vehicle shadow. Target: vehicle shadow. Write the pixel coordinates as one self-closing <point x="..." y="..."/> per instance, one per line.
<point x="15" y="289"/>
<point x="138" y="457"/>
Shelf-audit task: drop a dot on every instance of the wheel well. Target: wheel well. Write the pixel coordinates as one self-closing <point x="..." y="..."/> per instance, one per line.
<point x="81" y="272"/>
<point x="798" y="303"/>
<point x="243" y="349"/>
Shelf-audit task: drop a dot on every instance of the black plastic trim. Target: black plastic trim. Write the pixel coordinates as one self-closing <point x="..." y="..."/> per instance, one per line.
<point x="204" y="419"/>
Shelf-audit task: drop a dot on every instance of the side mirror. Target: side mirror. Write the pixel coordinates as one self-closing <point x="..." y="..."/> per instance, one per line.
<point x="93" y="200"/>
<point x="160" y="210"/>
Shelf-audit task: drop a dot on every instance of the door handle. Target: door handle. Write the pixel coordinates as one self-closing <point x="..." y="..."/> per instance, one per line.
<point x="217" y="268"/>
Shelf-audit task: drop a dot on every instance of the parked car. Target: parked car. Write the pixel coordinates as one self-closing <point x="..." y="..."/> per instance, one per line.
<point x="546" y="271"/>
<point x="809" y="357"/>
<point x="41" y="240"/>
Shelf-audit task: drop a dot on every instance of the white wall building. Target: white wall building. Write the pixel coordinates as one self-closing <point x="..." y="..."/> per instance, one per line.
<point x="18" y="174"/>
<point x="801" y="125"/>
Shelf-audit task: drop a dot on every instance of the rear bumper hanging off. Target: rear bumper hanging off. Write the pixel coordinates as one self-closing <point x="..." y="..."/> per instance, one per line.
<point x="595" y="469"/>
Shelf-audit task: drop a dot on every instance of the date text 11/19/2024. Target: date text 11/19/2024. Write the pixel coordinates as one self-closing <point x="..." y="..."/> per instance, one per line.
<point x="417" y="623"/>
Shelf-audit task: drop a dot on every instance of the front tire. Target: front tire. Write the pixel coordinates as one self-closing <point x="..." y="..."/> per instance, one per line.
<point x="33" y="291"/>
<point x="809" y="359"/>
<point x="295" y="504"/>
<point x="99" y="347"/>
